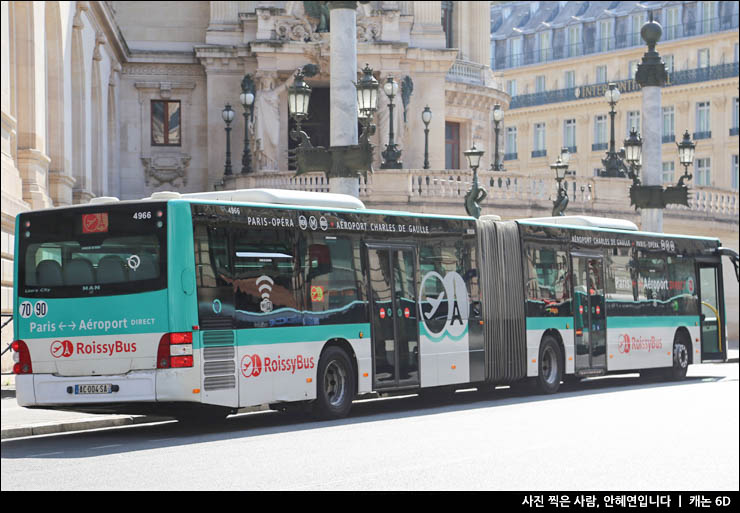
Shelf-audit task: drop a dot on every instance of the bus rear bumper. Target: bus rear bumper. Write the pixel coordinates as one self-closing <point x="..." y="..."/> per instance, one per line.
<point x="51" y="390"/>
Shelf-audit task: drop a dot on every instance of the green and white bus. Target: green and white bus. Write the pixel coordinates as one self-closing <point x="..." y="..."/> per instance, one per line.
<point x="226" y="300"/>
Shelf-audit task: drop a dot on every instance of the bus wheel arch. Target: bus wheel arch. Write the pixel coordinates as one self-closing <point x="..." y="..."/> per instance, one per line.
<point x="684" y="333"/>
<point x="551" y="362"/>
<point x="681" y="354"/>
<point x="336" y="380"/>
<point x="552" y="332"/>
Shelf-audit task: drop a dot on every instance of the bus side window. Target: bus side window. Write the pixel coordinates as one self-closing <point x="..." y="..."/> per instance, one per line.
<point x="334" y="284"/>
<point x="548" y="281"/>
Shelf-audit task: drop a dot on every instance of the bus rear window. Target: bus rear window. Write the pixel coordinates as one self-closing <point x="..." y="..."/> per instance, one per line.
<point x="74" y="253"/>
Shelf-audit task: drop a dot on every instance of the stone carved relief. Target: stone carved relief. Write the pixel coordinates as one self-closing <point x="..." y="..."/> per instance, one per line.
<point x="166" y="168"/>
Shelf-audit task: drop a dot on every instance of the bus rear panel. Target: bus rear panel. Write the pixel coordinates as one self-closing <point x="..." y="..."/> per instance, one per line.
<point x="92" y="324"/>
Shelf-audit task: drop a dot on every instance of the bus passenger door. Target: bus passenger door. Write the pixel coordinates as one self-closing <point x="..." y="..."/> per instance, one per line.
<point x="713" y="346"/>
<point x="589" y="313"/>
<point x="394" y="325"/>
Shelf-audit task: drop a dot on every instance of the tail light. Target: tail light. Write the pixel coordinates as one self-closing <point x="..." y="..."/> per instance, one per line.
<point x="21" y="357"/>
<point x="175" y="350"/>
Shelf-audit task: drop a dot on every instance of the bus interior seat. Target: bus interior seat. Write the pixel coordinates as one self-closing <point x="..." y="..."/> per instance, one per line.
<point x="49" y="273"/>
<point x="78" y="271"/>
<point x="111" y="269"/>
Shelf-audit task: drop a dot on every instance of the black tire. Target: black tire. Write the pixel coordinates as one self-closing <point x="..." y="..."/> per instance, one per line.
<point x="681" y="357"/>
<point x="335" y="384"/>
<point x="550" y="366"/>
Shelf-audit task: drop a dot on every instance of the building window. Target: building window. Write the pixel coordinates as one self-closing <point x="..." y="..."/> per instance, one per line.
<point x="735" y="117"/>
<point x="605" y="40"/>
<point x="515" y="52"/>
<point x="702" y="58"/>
<point x="452" y="145"/>
<point x="539" y="140"/>
<point x="638" y="20"/>
<point x="600" y="142"/>
<point x="447" y="22"/>
<point x="511" y="87"/>
<point x="672" y="23"/>
<point x="708" y="16"/>
<point x="702" y="171"/>
<point x="633" y="121"/>
<point x="569" y="79"/>
<point x="734" y="173"/>
<point x="165" y="123"/>
<point x="669" y="118"/>
<point x="703" y="126"/>
<point x="668" y="169"/>
<point x="510" y="150"/>
<point x="573" y="43"/>
<point x="668" y="62"/>
<point x="601" y="74"/>
<point x="543" y="41"/>
<point x="632" y="69"/>
<point x="569" y="135"/>
<point x="539" y="84"/>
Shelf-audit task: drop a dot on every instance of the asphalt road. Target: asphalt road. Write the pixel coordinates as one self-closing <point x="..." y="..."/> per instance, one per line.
<point x="614" y="433"/>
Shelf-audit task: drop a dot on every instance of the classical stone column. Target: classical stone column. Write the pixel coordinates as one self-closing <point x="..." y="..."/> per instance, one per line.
<point x="343" y="68"/>
<point x="651" y="75"/>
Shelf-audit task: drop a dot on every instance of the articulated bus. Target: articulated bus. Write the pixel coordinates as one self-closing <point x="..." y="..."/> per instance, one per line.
<point x="207" y="303"/>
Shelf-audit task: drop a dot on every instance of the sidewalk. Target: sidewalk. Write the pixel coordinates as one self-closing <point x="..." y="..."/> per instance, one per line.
<point x="19" y="422"/>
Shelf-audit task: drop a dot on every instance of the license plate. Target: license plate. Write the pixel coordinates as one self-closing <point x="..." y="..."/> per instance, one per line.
<point x="93" y="389"/>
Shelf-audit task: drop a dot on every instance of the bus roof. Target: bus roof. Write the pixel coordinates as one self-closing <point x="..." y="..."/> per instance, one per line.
<point x="603" y="224"/>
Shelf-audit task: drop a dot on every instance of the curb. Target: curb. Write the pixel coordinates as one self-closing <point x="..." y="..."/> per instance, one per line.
<point x="50" y="428"/>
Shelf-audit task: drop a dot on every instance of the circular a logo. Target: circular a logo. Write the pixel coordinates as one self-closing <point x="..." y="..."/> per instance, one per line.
<point x="313" y="223"/>
<point x="323" y="223"/>
<point x="62" y="349"/>
<point x="251" y="366"/>
<point x="448" y="301"/>
<point x="302" y="222"/>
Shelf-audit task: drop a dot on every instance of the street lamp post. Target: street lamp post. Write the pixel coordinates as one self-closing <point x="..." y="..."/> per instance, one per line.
<point x="560" y="168"/>
<point x="228" y="116"/>
<point x="426" y="117"/>
<point x="498" y="117"/>
<point x="391" y="154"/>
<point x="613" y="165"/>
<point x="686" y="150"/>
<point x="647" y="192"/>
<point x="336" y="162"/>
<point x="247" y="101"/>
<point x="476" y="194"/>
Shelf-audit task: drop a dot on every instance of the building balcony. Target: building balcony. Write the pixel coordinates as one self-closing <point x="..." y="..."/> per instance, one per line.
<point x="734" y="130"/>
<point x="721" y="71"/>
<point x="572" y="149"/>
<point x="501" y="60"/>
<point x="511" y="156"/>
<point x="669" y="138"/>
<point x="703" y="135"/>
<point x="539" y="153"/>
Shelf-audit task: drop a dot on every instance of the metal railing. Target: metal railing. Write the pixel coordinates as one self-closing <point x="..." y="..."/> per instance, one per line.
<point x="689" y="76"/>
<point x="617" y="42"/>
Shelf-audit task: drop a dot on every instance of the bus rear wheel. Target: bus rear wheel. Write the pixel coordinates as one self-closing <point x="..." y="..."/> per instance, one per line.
<point x="681" y="350"/>
<point x="550" y="368"/>
<point x="335" y="384"/>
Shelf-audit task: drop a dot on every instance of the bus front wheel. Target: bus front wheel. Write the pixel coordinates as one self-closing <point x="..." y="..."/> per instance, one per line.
<point x="335" y="384"/>
<point x="550" y="367"/>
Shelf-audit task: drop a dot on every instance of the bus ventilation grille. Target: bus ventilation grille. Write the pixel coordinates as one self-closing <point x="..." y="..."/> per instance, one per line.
<point x="219" y="360"/>
<point x="502" y="291"/>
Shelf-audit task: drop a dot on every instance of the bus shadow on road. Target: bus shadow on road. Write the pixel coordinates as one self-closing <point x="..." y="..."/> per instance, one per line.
<point x="143" y="437"/>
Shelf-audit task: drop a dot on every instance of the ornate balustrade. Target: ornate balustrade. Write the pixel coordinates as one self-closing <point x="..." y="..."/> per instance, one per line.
<point x="509" y="194"/>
